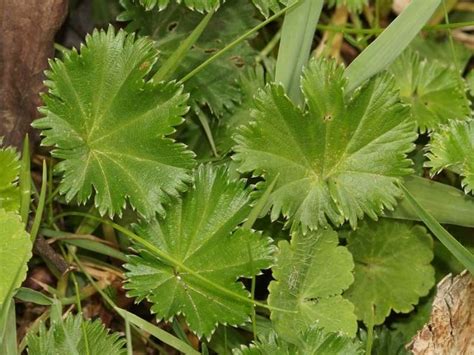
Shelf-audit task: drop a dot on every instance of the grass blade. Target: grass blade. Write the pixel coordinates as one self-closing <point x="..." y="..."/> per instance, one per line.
<point x="41" y="203"/>
<point x="158" y="333"/>
<point x="25" y="181"/>
<point x="295" y="45"/>
<point x="447" y="204"/>
<point x="168" y="67"/>
<point x="8" y="339"/>
<point x="457" y="249"/>
<point x="388" y="46"/>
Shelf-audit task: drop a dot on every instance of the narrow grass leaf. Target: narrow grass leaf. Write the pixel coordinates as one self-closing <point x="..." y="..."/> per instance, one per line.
<point x="391" y="43"/>
<point x="25" y="181"/>
<point x="447" y="204"/>
<point x="158" y="333"/>
<point x="41" y="203"/>
<point x="456" y="248"/>
<point x="295" y="45"/>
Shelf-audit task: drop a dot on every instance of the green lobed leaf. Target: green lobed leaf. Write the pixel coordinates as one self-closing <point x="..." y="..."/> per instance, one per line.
<point x="10" y="167"/>
<point x="435" y="92"/>
<point x="452" y="148"/>
<point x="15" y="251"/>
<point x="108" y="126"/>
<point x="310" y="274"/>
<point x="75" y="336"/>
<point x="470" y="82"/>
<point x="216" y="86"/>
<point x="339" y="158"/>
<point x="200" y="234"/>
<point x="392" y="268"/>
<point x="313" y="341"/>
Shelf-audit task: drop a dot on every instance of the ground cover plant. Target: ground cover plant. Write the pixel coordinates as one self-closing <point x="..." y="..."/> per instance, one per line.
<point x="242" y="177"/>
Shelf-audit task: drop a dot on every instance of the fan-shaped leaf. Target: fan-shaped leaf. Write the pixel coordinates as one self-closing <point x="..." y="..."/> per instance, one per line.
<point x="392" y="268"/>
<point x="215" y="86"/>
<point x="339" y="158"/>
<point x="15" y="251"/>
<point x="109" y="126"/>
<point x="199" y="234"/>
<point x="10" y="167"/>
<point x="435" y="92"/>
<point x="75" y="336"/>
<point x="313" y="341"/>
<point x="452" y="147"/>
<point x="311" y="273"/>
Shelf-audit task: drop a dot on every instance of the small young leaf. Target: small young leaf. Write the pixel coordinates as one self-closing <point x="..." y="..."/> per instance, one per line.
<point x="338" y="159"/>
<point x="215" y="86"/>
<point x="392" y="268"/>
<point x="209" y="253"/>
<point x="75" y="336"/>
<point x="435" y="92"/>
<point x="452" y="148"/>
<point x="10" y="167"/>
<point x="109" y="126"/>
<point x="15" y="251"/>
<point x="313" y="341"/>
<point x="310" y="275"/>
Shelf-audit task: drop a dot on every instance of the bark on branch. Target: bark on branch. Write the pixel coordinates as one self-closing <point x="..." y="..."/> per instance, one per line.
<point x="27" y="30"/>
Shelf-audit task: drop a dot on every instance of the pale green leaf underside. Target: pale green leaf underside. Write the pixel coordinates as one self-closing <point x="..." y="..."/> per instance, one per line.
<point x="67" y="337"/>
<point x="216" y="85"/>
<point x="310" y="275"/>
<point x="435" y="92"/>
<point x="312" y="342"/>
<point x="10" y="167"/>
<point x="15" y="251"/>
<point x="452" y="148"/>
<point x="338" y="159"/>
<point x="109" y="126"/>
<point x="392" y="268"/>
<point x="199" y="232"/>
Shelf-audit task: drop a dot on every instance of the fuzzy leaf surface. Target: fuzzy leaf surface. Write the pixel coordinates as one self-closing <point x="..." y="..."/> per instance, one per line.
<point x="67" y="337"/>
<point x="15" y="251"/>
<point x="10" y="167"/>
<point x="199" y="233"/>
<point x="452" y="148"/>
<point x="216" y="86"/>
<point x="435" y="92"/>
<point x="392" y="268"/>
<point x="339" y="158"/>
<point x="312" y="342"/>
<point x="109" y="126"/>
<point x="310" y="274"/>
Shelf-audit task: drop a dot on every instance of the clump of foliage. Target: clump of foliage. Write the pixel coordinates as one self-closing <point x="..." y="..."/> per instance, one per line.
<point x="238" y="211"/>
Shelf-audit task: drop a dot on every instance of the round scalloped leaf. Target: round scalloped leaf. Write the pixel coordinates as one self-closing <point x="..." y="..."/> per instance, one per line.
<point x="208" y="255"/>
<point x="310" y="274"/>
<point x="15" y="251"/>
<point x="339" y="158"/>
<point x="435" y="92"/>
<point x="10" y="167"/>
<point x="109" y="126"/>
<point x="392" y="268"/>
<point x="313" y="341"/>
<point x="452" y="148"/>
<point x="75" y="336"/>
